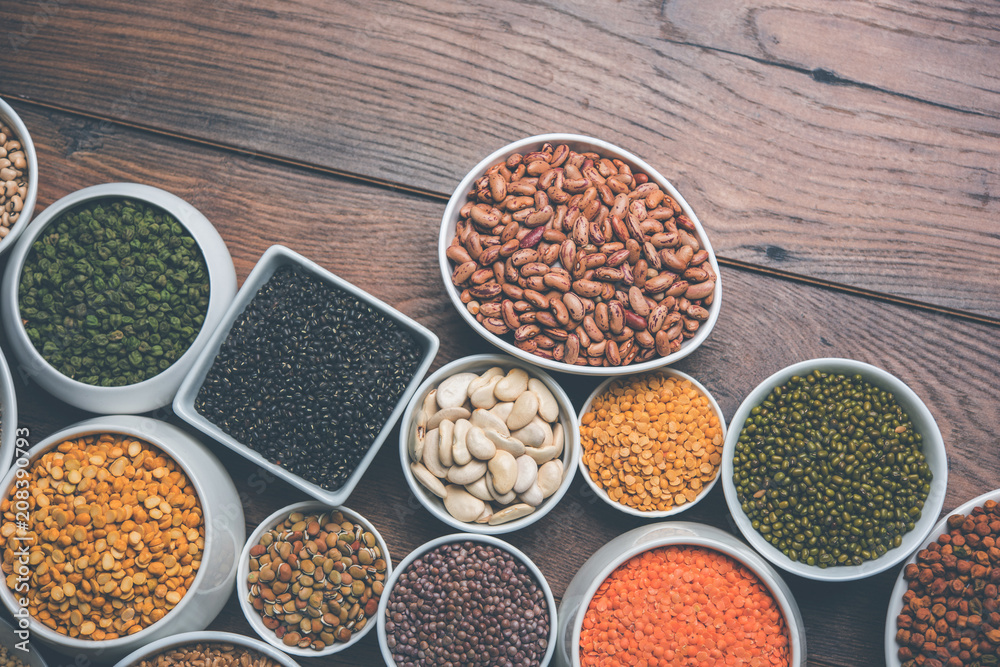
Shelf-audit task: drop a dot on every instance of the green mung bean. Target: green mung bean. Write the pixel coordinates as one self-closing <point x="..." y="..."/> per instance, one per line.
<point x="113" y="292"/>
<point x="830" y="470"/>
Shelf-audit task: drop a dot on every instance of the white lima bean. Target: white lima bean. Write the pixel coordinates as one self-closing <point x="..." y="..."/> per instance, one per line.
<point x="489" y="444"/>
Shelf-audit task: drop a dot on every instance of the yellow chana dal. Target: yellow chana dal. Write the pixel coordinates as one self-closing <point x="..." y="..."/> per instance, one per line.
<point x="115" y="536"/>
<point x="653" y="442"/>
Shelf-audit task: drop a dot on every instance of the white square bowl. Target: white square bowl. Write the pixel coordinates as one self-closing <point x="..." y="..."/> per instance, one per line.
<point x="275" y="257"/>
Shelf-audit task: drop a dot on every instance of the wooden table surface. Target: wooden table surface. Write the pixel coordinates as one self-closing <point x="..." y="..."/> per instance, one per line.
<point x="843" y="157"/>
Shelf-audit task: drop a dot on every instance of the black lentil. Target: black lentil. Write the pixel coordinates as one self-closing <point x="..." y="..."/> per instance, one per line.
<point x="114" y="292"/>
<point x="830" y="470"/>
<point x="465" y="604"/>
<point x="308" y="375"/>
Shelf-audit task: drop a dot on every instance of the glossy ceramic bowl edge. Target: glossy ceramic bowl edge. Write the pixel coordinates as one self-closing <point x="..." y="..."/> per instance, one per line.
<point x="934" y="452"/>
<point x="206" y="636"/>
<point x="8" y="114"/>
<point x="8" y="416"/>
<point x="612" y="555"/>
<point x="154" y="392"/>
<point x="576" y="142"/>
<point x="468" y="537"/>
<point x="273" y="258"/>
<point x="10" y="639"/>
<point x="224" y="533"/>
<point x="602" y="494"/>
<point x="896" y="597"/>
<point x="254" y="618"/>
<point x="567" y="416"/>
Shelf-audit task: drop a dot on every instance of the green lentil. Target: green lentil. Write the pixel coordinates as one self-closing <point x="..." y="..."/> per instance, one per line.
<point x="830" y="470"/>
<point x="113" y="292"/>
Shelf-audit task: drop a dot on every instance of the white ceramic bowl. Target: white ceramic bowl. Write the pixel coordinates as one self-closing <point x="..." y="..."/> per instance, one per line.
<point x="10" y="639"/>
<point x="275" y="257"/>
<point x="603" y="494"/>
<point x="9" y="116"/>
<point x="206" y="637"/>
<point x="224" y="535"/>
<point x="8" y="416"/>
<point x="481" y="539"/>
<point x="478" y="364"/>
<point x="242" y="588"/>
<point x="933" y="448"/>
<point x="154" y="392"/>
<point x="608" y="558"/>
<point x="578" y="143"/>
<point x="896" y="598"/>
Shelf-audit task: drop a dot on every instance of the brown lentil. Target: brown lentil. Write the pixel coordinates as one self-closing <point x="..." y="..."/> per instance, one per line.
<point x="105" y="562"/>
<point x="214" y="654"/>
<point x="467" y="604"/>
<point x="316" y="579"/>
<point x="13" y="178"/>
<point x="8" y="659"/>
<point x="951" y="608"/>
<point x="653" y="442"/>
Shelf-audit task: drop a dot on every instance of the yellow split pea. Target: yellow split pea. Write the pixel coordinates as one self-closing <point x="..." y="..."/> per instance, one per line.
<point x="652" y="442"/>
<point x="115" y="536"/>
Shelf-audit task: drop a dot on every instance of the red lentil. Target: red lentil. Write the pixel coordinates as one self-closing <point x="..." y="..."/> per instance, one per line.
<point x="683" y="605"/>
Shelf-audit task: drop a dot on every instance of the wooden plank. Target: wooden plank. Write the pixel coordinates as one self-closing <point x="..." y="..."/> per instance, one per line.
<point x="940" y="52"/>
<point x="766" y="324"/>
<point x="874" y="189"/>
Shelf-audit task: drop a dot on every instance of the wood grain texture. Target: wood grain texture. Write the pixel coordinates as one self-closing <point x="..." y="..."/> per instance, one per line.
<point x="880" y="187"/>
<point x="766" y="324"/>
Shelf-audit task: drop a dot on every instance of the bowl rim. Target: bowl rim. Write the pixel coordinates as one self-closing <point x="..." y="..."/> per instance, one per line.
<point x="7" y="631"/>
<point x="206" y="637"/>
<point x="933" y="447"/>
<point x="603" y="494"/>
<point x="8" y="417"/>
<point x="896" y="596"/>
<point x="222" y="286"/>
<point x="272" y="259"/>
<point x="390" y="584"/>
<point x="705" y="536"/>
<point x="458" y="198"/>
<point x="7" y="113"/>
<point x="571" y="442"/>
<point x="159" y="437"/>
<point x="243" y="569"/>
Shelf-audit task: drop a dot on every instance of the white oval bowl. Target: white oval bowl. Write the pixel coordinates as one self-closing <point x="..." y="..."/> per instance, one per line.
<point x="579" y="143"/>
<point x="603" y="494"/>
<point x="8" y="416"/>
<point x="896" y="598"/>
<point x="154" y="392"/>
<point x="205" y="637"/>
<point x="10" y="116"/>
<point x="253" y="616"/>
<point x="224" y="534"/>
<point x="923" y="422"/>
<point x="478" y="364"/>
<point x="612" y="555"/>
<point x="383" y="604"/>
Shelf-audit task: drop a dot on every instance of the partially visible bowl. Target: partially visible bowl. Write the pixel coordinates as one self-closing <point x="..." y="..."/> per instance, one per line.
<point x="932" y="447"/>
<point x="896" y="597"/>
<point x="157" y="390"/>
<point x="222" y="513"/>
<point x="705" y="489"/>
<point x="274" y="259"/>
<point x="580" y="144"/>
<point x="9" y="117"/>
<point x="10" y="639"/>
<point x="243" y="590"/>
<point x="8" y="416"/>
<point x="205" y="637"/>
<point x="621" y="549"/>
<point x="518" y="556"/>
<point x="479" y="364"/>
